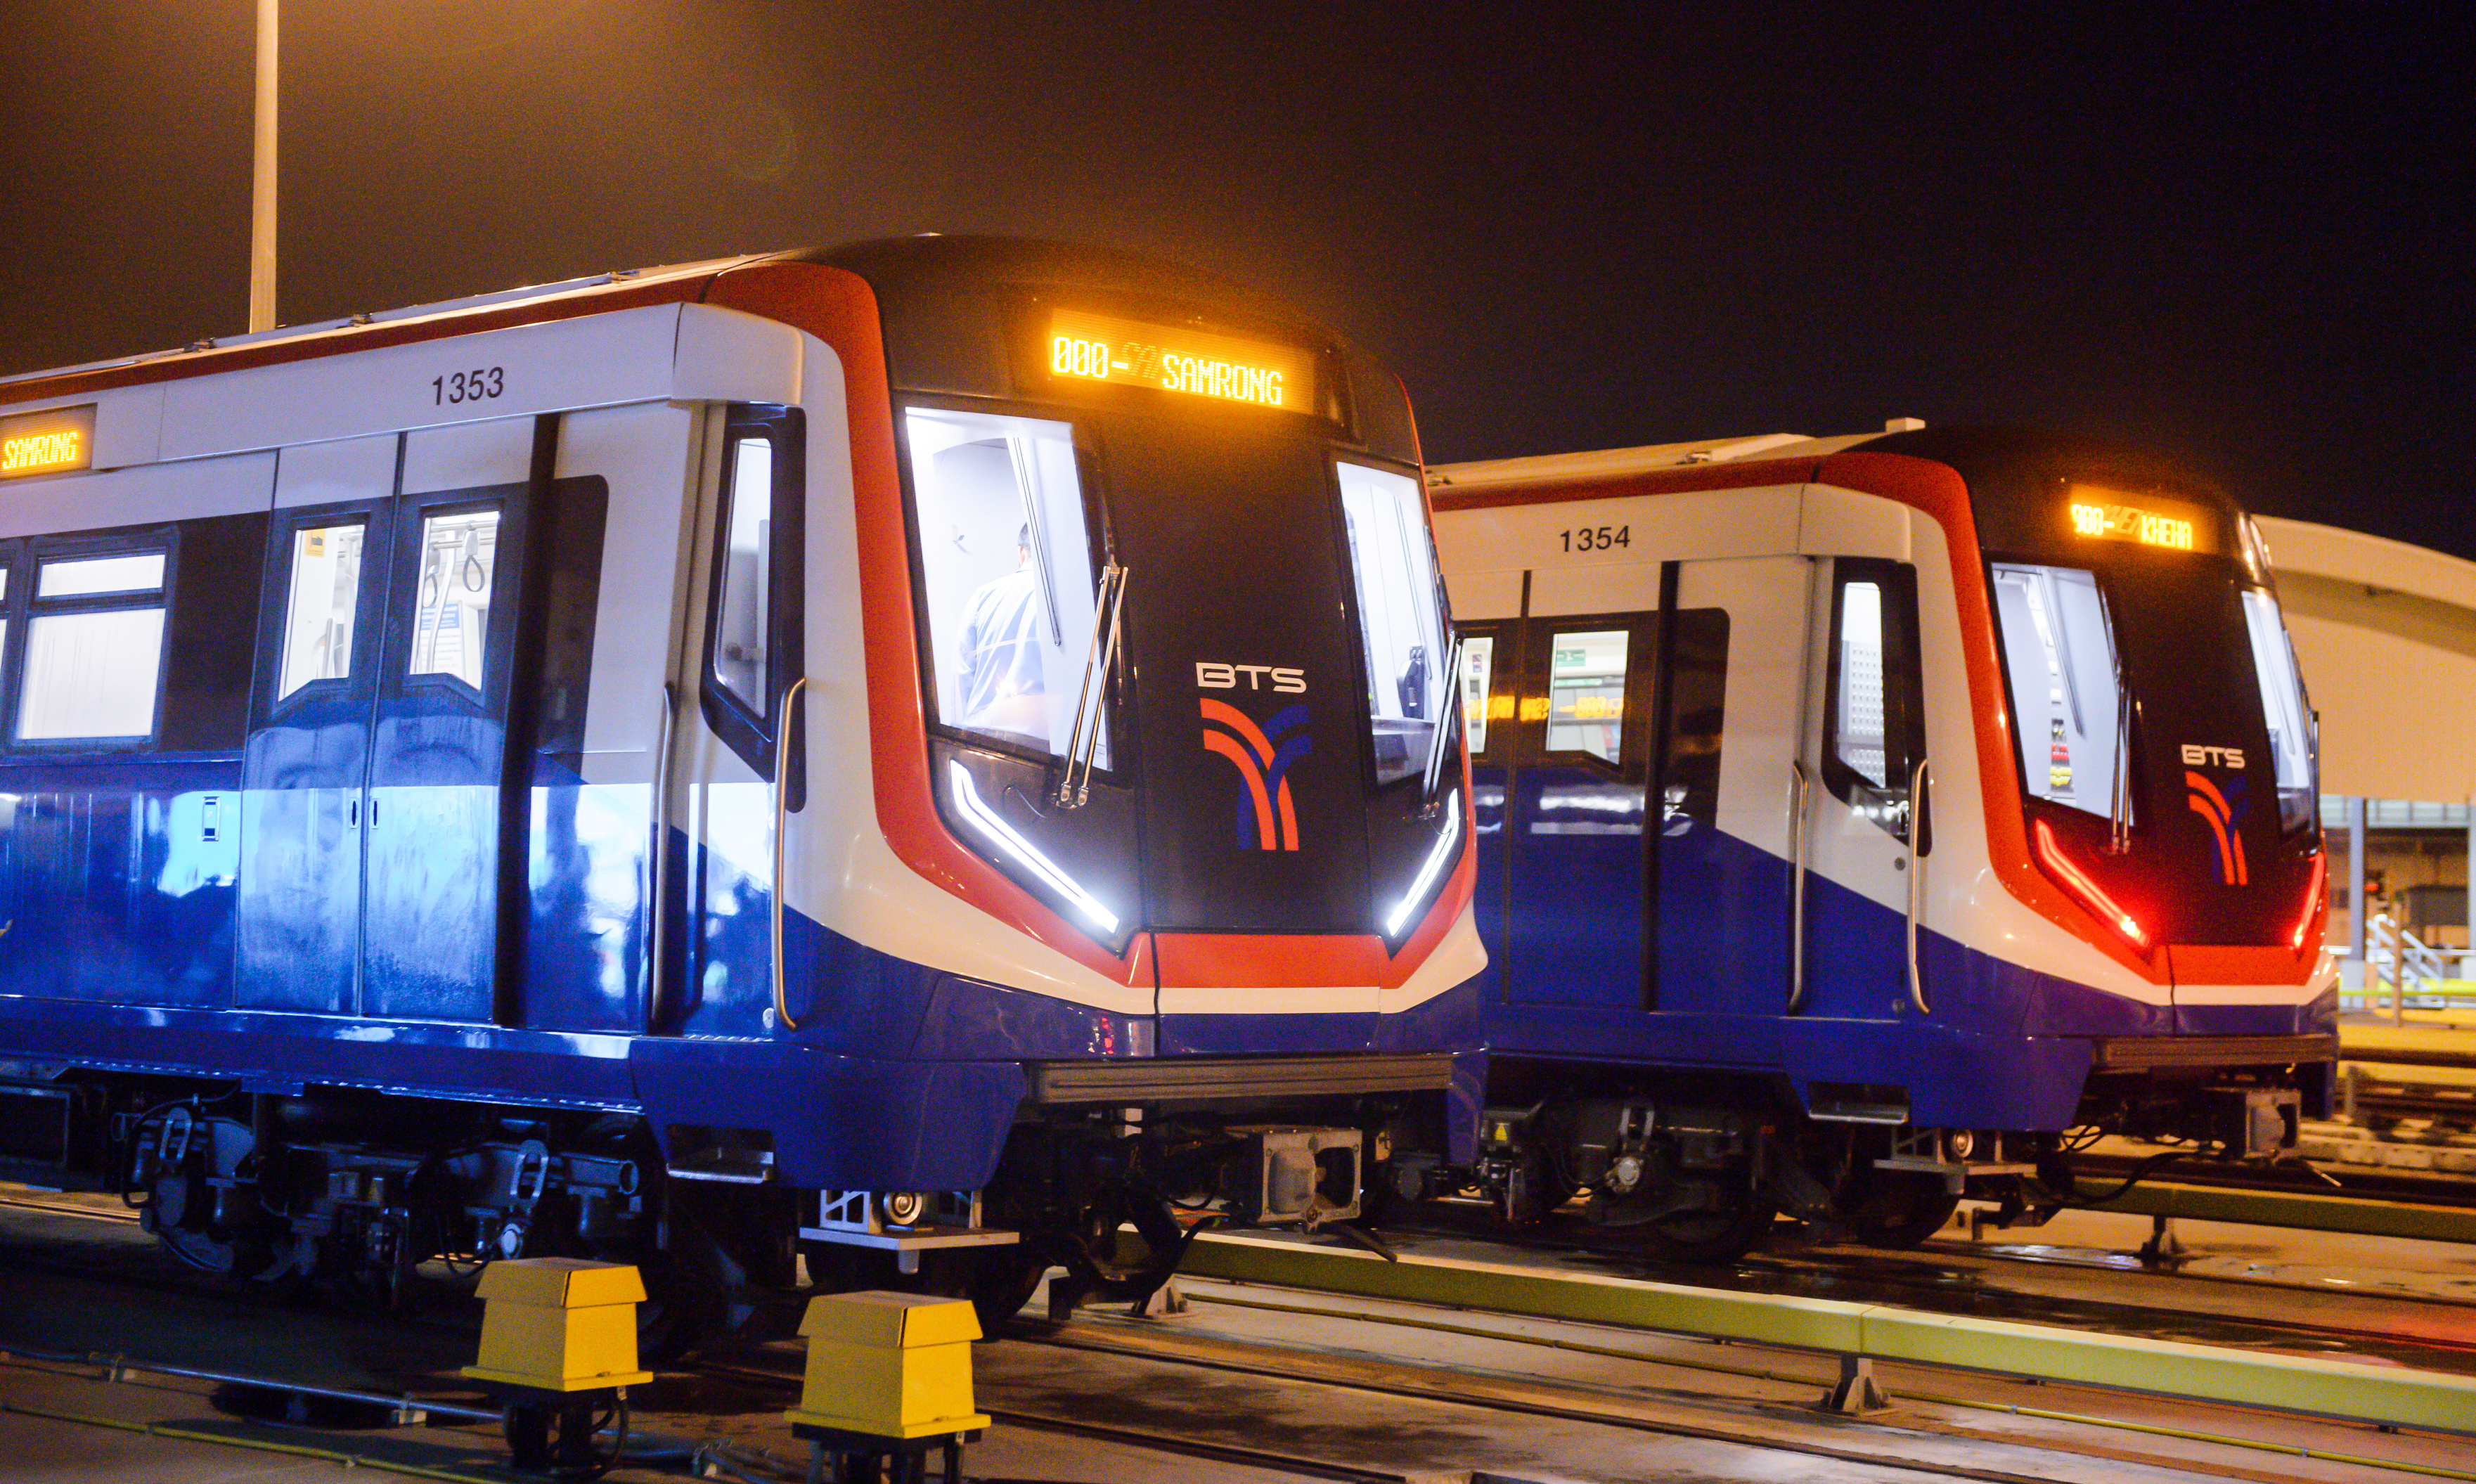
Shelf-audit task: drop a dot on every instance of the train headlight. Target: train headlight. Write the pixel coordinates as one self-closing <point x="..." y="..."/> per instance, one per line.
<point x="1962" y="1143"/>
<point x="905" y="1207"/>
<point x="1007" y="838"/>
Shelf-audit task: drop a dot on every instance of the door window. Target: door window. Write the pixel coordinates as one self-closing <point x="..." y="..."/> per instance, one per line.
<point x="320" y="602"/>
<point x="1400" y="619"/>
<point x="1871" y="702"/>
<point x="451" y="620"/>
<point x="94" y="648"/>
<point x="1479" y="670"/>
<point x="744" y="604"/>
<point x="1585" y="692"/>
<point x="1006" y="573"/>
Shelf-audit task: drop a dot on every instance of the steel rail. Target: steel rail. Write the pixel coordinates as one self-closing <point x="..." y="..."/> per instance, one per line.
<point x="1528" y="1337"/>
<point x="1865" y="1331"/>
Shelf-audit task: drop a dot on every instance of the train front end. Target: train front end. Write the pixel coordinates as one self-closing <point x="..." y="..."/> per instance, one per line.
<point x="1166" y="837"/>
<point x="2152" y="923"/>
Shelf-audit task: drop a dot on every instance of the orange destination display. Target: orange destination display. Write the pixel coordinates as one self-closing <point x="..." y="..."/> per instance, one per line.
<point x="1091" y="347"/>
<point x="2111" y="515"/>
<point x="51" y="442"/>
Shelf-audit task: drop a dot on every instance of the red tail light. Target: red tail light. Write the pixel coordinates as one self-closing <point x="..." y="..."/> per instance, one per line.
<point x="2311" y="902"/>
<point x="2061" y="867"/>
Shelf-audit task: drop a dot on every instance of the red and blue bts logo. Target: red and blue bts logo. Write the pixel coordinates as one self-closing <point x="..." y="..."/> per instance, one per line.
<point x="1267" y="819"/>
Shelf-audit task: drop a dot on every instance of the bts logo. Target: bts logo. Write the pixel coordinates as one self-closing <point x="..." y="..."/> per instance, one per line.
<point x="2212" y="806"/>
<point x="1267" y="820"/>
<point x="1215" y="677"/>
<point x="2195" y="755"/>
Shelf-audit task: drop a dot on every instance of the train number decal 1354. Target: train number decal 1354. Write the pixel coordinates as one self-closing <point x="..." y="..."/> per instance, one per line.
<point x="479" y="385"/>
<point x="1597" y="538"/>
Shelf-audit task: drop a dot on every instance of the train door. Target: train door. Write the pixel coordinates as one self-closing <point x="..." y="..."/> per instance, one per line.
<point x="305" y="768"/>
<point x="1575" y="868"/>
<point x="450" y="749"/>
<point x="1725" y="730"/>
<point x="384" y="751"/>
<point x="1865" y="754"/>
<point x="744" y="653"/>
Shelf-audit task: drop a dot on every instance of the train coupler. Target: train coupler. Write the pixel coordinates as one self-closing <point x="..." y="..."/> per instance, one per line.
<point x="2253" y="1122"/>
<point x="1310" y="1176"/>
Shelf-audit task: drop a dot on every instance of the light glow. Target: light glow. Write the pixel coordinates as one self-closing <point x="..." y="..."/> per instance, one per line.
<point x="1437" y="854"/>
<point x="2111" y="515"/>
<point x="2312" y="904"/>
<point x="52" y="442"/>
<point x="985" y="820"/>
<point x="2097" y="899"/>
<point x="1092" y="347"/>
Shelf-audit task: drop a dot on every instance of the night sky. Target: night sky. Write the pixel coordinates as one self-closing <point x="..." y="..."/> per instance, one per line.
<point x="2240" y="236"/>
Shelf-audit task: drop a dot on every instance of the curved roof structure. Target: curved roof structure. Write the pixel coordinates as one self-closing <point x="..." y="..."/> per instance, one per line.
<point x="2386" y="633"/>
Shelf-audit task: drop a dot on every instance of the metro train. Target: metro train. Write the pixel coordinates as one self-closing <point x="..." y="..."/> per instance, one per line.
<point x="909" y="756"/>
<point x="1869" y="822"/>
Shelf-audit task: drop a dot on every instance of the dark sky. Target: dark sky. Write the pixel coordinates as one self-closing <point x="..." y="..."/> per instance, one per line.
<point x="2239" y="235"/>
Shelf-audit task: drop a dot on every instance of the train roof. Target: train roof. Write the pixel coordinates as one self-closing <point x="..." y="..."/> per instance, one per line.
<point x="1596" y="466"/>
<point x="929" y="260"/>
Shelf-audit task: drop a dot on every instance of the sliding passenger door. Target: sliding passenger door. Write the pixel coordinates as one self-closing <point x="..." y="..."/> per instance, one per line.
<point x="1574" y="810"/>
<point x="306" y="764"/>
<point x="443" y="741"/>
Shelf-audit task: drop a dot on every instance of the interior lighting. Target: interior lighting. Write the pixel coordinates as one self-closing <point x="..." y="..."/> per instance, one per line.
<point x="1437" y="854"/>
<point x="1004" y="837"/>
<point x="2051" y="854"/>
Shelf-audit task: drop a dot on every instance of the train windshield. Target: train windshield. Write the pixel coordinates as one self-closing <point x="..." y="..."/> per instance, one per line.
<point x="2165" y="744"/>
<point x="2283" y="707"/>
<point x="2069" y="704"/>
<point x="1006" y="573"/>
<point x="1400" y="622"/>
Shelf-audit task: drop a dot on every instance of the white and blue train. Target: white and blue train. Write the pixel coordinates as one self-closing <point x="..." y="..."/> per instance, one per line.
<point x="1867" y="820"/>
<point x="940" y="747"/>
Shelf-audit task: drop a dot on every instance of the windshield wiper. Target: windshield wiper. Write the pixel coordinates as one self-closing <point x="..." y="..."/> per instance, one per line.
<point x="1108" y="606"/>
<point x="1444" y="725"/>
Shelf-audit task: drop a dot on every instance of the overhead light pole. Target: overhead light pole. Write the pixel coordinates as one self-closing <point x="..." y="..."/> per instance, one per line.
<point x="261" y="191"/>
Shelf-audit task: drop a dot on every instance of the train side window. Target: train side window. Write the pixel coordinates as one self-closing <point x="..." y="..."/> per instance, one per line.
<point x="1585" y="692"/>
<point x="1873" y="701"/>
<point x="458" y="568"/>
<point x="1692" y="714"/>
<point x="322" y="599"/>
<point x="94" y="648"/>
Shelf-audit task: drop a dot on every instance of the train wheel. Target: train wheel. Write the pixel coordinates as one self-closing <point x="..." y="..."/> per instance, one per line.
<point x="1895" y="1208"/>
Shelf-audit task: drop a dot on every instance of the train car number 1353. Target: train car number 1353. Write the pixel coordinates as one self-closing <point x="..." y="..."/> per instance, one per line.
<point x="479" y="385"/>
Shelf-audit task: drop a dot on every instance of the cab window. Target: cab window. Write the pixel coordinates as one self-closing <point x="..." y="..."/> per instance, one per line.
<point x="1006" y="573"/>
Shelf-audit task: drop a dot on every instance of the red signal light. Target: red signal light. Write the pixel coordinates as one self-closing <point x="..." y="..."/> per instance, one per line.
<point x="2061" y="867"/>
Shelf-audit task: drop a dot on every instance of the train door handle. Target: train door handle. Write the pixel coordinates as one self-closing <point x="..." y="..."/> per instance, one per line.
<point x="1921" y="845"/>
<point x="659" y="940"/>
<point x="1799" y="795"/>
<point x="781" y="822"/>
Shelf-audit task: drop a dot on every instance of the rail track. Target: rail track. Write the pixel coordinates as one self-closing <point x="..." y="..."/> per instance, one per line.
<point x="1724" y="1397"/>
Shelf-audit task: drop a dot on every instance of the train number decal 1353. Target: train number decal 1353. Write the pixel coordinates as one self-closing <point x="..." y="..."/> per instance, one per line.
<point x="1597" y="538"/>
<point x="479" y="385"/>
